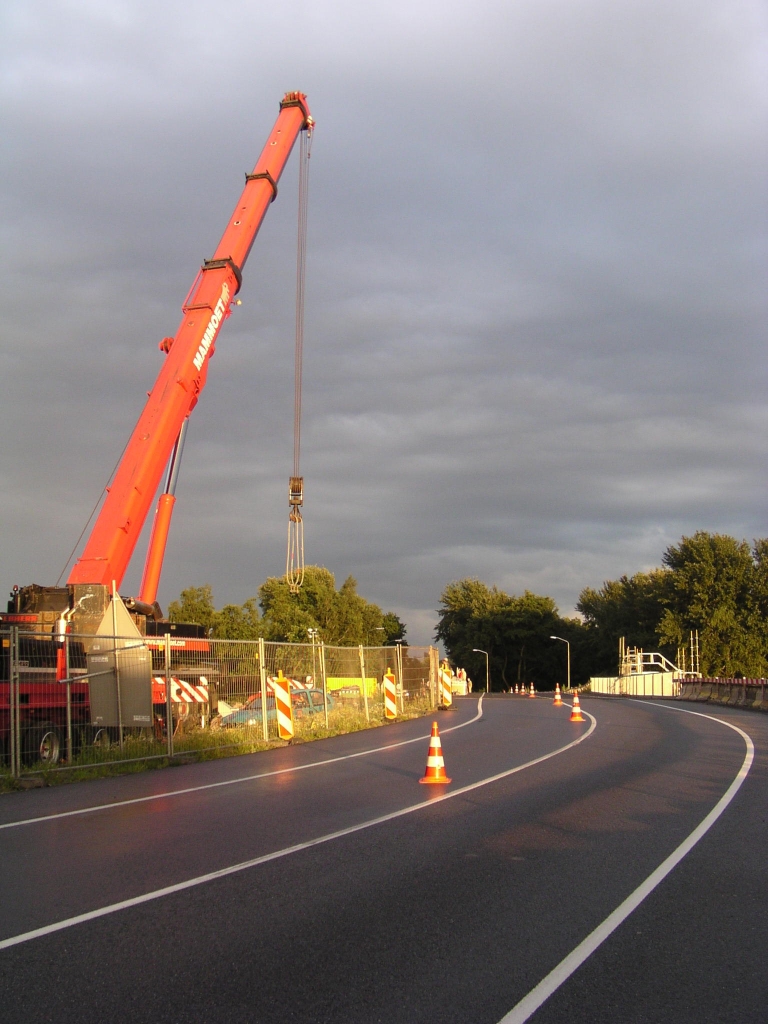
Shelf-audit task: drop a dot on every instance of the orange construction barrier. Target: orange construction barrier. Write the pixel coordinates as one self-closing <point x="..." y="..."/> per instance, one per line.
<point x="390" y="695"/>
<point x="576" y="715"/>
<point x="446" y="693"/>
<point x="435" y="770"/>
<point x="283" y="706"/>
<point x="558" y="701"/>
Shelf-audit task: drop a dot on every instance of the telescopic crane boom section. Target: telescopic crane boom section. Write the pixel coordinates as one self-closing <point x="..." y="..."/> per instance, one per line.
<point x="116" y="531"/>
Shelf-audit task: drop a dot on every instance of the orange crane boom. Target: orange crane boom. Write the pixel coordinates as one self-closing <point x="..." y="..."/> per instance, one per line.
<point x="116" y="531"/>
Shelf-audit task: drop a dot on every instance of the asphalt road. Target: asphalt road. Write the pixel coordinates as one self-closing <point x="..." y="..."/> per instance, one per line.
<point x="450" y="912"/>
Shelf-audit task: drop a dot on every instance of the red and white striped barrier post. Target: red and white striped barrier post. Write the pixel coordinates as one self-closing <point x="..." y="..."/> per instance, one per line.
<point x="390" y="695"/>
<point x="283" y="706"/>
<point x="446" y="694"/>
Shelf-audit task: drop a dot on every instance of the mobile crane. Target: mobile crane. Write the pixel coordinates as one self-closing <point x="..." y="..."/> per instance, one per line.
<point x="158" y="437"/>
<point x="81" y="606"/>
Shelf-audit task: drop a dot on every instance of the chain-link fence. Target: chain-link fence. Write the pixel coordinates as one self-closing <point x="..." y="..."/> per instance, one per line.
<point x="87" y="700"/>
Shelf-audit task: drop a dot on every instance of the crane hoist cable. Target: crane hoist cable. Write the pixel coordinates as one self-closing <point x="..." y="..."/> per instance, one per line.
<point x="294" y="561"/>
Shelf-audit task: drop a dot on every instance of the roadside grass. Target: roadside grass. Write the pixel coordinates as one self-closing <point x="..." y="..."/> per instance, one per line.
<point x="142" y="753"/>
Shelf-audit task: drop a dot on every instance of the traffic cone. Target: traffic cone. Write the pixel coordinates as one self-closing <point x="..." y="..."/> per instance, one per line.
<point x="558" y="701"/>
<point x="576" y="715"/>
<point x="516" y="689"/>
<point x="532" y="692"/>
<point x="435" y="770"/>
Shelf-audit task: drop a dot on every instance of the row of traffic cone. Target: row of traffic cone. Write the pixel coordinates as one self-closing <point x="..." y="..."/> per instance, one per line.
<point x="576" y="715"/>
<point x="435" y="770"/>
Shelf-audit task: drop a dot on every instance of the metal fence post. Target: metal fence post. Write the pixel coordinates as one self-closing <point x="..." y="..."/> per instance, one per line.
<point x="362" y="679"/>
<point x="168" y="698"/>
<point x="399" y="656"/>
<point x="117" y="666"/>
<point x="13" y="702"/>
<point x="433" y="666"/>
<point x="325" y="681"/>
<point x="69" y="697"/>
<point x="263" y="678"/>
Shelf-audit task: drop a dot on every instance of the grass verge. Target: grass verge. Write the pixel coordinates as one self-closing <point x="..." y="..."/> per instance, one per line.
<point x="142" y="754"/>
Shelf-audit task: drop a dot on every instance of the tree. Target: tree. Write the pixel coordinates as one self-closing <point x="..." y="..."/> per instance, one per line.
<point x="239" y="622"/>
<point x="194" y="605"/>
<point x="716" y="585"/>
<point x="342" y="617"/>
<point x="630" y="607"/>
<point x="394" y="628"/>
<point x="710" y="583"/>
<point x="515" y="631"/>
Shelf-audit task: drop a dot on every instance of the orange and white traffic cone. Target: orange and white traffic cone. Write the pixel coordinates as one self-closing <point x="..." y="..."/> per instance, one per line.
<point x="576" y="715"/>
<point x="516" y="688"/>
<point x="435" y="770"/>
<point x="532" y="692"/>
<point x="558" y="701"/>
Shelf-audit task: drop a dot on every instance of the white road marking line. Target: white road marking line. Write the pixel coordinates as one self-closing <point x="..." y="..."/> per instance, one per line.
<point x="549" y="985"/>
<point x="233" y="782"/>
<point x="191" y="883"/>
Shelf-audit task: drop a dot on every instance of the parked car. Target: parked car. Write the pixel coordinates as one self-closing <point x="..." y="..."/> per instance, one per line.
<point x="304" y="702"/>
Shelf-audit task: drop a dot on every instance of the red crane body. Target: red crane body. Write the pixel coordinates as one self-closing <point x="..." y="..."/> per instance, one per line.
<point x="116" y="531"/>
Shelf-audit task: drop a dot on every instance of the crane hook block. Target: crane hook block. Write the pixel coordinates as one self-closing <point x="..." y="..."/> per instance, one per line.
<point x="296" y="490"/>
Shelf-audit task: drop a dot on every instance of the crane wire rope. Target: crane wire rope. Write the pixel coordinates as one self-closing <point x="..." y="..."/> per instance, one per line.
<point x="93" y="513"/>
<point x="294" y="562"/>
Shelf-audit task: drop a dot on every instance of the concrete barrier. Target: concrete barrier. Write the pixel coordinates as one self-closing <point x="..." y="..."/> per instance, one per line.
<point x="749" y="694"/>
<point x="740" y="693"/>
<point x="707" y="688"/>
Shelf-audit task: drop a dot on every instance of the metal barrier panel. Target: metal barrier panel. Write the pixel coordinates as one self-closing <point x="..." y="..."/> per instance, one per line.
<point x="49" y="692"/>
<point x="92" y="700"/>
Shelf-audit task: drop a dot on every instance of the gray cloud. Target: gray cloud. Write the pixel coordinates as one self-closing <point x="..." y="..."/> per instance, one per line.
<point x="536" y="313"/>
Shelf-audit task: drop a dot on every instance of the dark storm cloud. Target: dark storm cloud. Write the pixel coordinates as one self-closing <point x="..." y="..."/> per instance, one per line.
<point x="535" y="346"/>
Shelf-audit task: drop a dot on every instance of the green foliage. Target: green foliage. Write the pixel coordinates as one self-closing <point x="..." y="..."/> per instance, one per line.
<point x="714" y="584"/>
<point x="341" y="617"/>
<point x="194" y="605"/>
<point x="239" y="621"/>
<point x="515" y="631"/>
<point x="393" y="627"/>
<point x="630" y="607"/>
<point x="709" y="582"/>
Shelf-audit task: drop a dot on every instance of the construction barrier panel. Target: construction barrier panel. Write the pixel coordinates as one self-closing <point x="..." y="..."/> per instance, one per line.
<point x="390" y="694"/>
<point x="97" y="699"/>
<point x="446" y="690"/>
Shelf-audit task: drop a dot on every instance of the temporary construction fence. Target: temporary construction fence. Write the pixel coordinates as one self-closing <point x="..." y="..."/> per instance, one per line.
<point x="90" y="700"/>
<point x="639" y="684"/>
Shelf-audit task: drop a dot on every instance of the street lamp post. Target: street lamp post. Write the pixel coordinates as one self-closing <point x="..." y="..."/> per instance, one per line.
<point x="313" y="638"/>
<point x="567" y="644"/>
<point x="476" y="650"/>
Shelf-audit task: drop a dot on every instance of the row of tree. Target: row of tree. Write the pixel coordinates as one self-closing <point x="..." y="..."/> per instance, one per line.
<point x="709" y="583"/>
<point x="341" y="617"/>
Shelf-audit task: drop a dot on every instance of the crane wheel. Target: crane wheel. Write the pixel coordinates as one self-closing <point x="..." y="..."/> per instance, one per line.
<point x="42" y="744"/>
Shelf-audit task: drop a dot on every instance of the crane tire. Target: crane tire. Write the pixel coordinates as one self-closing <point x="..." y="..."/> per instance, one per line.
<point x="42" y="744"/>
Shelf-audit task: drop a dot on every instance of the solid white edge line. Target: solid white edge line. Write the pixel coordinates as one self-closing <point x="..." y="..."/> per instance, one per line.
<point x="549" y="984"/>
<point x="211" y="876"/>
<point x="234" y="782"/>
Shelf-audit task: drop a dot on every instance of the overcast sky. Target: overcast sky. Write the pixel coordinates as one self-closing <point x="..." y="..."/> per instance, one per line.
<point x="535" y="326"/>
